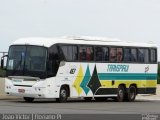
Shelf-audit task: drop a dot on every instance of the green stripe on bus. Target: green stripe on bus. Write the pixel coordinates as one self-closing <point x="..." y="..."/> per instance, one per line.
<point x="127" y="76"/>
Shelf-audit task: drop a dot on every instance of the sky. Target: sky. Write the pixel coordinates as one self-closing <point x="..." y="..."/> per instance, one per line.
<point x="128" y="20"/>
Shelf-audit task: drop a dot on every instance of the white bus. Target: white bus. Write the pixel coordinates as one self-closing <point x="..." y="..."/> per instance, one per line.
<point x="85" y="67"/>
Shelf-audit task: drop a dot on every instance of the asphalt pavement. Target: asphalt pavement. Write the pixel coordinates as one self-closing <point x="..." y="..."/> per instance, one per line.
<point x="80" y="107"/>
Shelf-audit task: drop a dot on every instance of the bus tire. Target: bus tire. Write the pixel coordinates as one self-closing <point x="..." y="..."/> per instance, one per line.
<point x="88" y="99"/>
<point x="120" y="94"/>
<point x="28" y="99"/>
<point x="63" y="95"/>
<point x="132" y="92"/>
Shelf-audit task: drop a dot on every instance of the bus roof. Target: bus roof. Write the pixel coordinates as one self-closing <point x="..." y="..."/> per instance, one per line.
<point x="47" y="42"/>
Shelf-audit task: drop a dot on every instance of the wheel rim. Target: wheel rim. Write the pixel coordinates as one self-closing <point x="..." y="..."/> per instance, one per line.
<point x="63" y="93"/>
<point x="132" y="93"/>
<point x="120" y="93"/>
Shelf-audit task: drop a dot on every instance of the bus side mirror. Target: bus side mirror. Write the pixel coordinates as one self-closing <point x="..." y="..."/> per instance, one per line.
<point x="2" y="62"/>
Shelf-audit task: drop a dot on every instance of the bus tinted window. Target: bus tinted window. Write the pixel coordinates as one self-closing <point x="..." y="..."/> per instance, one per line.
<point x="153" y="55"/>
<point x="85" y="53"/>
<point x="89" y="53"/>
<point x="140" y="55"/>
<point x="67" y="50"/>
<point x="127" y="55"/>
<point x="119" y="54"/>
<point x="133" y="55"/>
<point x="75" y="53"/>
<point x="146" y="55"/>
<point x="70" y="52"/>
<point x="101" y="54"/>
<point x="106" y="56"/>
<point x="113" y="55"/>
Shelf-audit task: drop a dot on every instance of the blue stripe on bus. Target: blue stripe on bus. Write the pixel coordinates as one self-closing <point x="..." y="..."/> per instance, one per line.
<point x="127" y="76"/>
<point x="85" y="81"/>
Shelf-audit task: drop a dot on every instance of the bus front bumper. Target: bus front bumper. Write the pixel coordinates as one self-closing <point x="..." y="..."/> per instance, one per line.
<point x="26" y="92"/>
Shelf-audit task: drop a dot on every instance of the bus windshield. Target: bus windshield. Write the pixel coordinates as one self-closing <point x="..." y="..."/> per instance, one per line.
<point x="26" y="59"/>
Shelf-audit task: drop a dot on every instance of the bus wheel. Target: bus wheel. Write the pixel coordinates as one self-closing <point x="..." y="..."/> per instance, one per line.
<point x="63" y="95"/>
<point x="88" y="99"/>
<point x="28" y="99"/>
<point x="121" y="94"/>
<point x="132" y="93"/>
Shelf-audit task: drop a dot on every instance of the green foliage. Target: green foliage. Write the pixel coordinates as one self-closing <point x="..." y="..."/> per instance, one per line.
<point x="2" y="73"/>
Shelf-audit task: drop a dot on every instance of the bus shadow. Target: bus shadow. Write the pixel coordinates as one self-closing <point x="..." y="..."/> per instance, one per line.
<point x="38" y="101"/>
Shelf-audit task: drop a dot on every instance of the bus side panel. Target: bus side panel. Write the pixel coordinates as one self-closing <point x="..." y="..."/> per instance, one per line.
<point x="89" y="79"/>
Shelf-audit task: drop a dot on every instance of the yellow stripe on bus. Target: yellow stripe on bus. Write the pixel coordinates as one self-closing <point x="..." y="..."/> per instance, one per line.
<point x="78" y="81"/>
<point x="140" y="83"/>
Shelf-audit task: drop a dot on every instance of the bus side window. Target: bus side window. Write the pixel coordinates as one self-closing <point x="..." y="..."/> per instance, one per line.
<point x="89" y="56"/>
<point x="140" y="55"/>
<point x="119" y="54"/>
<point x="86" y="53"/>
<point x="153" y="56"/>
<point x="146" y="55"/>
<point x="113" y="55"/>
<point x="133" y="55"/>
<point x="67" y="51"/>
<point x="127" y="55"/>
<point x="70" y="52"/>
<point x="75" y="53"/>
<point x="101" y="54"/>
<point x="82" y="53"/>
<point x="106" y="54"/>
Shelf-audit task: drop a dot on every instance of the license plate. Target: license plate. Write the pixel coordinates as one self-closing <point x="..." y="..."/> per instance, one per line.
<point x="21" y="90"/>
